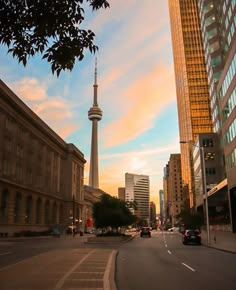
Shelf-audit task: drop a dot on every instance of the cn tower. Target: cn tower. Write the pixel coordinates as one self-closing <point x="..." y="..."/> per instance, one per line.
<point x="94" y="115"/>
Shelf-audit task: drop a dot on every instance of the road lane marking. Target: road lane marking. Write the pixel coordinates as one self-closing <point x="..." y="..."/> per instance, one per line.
<point x="188" y="267"/>
<point x="62" y="280"/>
<point x="5" y="253"/>
<point x="169" y="252"/>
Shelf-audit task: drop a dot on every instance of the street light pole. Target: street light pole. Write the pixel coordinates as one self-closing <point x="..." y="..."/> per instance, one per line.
<point x="204" y="186"/>
<point x="73" y="205"/>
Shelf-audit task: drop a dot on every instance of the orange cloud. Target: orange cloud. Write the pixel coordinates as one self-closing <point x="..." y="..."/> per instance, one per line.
<point x="143" y="102"/>
<point x="53" y="110"/>
<point x="30" y="89"/>
<point x="149" y="162"/>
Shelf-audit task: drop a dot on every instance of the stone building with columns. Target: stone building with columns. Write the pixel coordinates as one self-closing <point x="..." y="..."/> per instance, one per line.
<point x="41" y="176"/>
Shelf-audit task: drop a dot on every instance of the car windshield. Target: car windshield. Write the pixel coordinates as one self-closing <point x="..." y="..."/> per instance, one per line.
<point x="193" y="232"/>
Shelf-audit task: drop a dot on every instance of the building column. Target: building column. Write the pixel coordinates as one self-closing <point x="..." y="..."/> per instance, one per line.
<point x="10" y="206"/>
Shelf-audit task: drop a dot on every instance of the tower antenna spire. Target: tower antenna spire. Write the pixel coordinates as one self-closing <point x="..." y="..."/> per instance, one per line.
<point x="95" y="86"/>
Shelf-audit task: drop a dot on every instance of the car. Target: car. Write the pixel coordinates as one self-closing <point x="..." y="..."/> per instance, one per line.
<point x="191" y="236"/>
<point x="145" y="231"/>
<point x="173" y="229"/>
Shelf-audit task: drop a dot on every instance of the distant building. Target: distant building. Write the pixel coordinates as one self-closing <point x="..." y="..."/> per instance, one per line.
<point x="162" y="207"/>
<point x="176" y="201"/>
<point x="121" y="193"/>
<point x="153" y="219"/>
<point x="137" y="188"/>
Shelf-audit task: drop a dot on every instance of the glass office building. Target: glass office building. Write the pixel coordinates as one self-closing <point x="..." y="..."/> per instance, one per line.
<point x="193" y="100"/>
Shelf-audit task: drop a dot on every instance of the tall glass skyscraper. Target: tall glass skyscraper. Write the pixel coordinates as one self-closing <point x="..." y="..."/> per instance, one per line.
<point x="193" y="101"/>
<point x="218" y="26"/>
<point x="137" y="189"/>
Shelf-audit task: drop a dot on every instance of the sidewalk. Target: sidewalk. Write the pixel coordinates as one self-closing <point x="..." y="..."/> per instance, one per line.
<point x="77" y="269"/>
<point x="222" y="240"/>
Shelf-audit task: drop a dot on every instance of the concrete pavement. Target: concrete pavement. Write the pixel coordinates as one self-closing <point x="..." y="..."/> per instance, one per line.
<point x="67" y="269"/>
<point x="221" y="240"/>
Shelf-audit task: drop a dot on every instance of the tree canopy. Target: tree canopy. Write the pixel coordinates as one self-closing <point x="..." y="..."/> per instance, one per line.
<point x="50" y="28"/>
<point x="112" y="212"/>
<point x="190" y="219"/>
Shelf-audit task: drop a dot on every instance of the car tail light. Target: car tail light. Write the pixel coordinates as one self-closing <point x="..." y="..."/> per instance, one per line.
<point x="198" y="235"/>
<point x="187" y="235"/>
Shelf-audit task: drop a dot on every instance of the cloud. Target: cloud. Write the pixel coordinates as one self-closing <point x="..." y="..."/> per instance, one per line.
<point x="53" y="110"/>
<point x="149" y="161"/>
<point x="30" y="89"/>
<point x="144" y="100"/>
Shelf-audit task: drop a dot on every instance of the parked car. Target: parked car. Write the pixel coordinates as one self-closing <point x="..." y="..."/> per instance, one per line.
<point x="145" y="231"/>
<point x="191" y="236"/>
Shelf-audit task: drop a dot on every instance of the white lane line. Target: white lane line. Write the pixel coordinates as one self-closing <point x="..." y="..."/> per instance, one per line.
<point x="166" y="245"/>
<point x="188" y="267"/>
<point x="169" y="252"/>
<point x="5" y="253"/>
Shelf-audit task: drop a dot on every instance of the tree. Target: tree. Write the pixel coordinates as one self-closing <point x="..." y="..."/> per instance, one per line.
<point x="51" y="28"/>
<point x="190" y="219"/>
<point x="111" y="212"/>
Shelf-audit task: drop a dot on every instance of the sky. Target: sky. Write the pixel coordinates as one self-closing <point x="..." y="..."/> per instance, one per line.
<point x="136" y="92"/>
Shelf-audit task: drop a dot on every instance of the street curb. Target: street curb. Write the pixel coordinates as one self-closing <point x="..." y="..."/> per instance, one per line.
<point x="219" y="249"/>
<point x="111" y="277"/>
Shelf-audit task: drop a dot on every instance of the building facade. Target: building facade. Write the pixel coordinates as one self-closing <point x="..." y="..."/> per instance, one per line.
<point x="193" y="101"/>
<point x="208" y="145"/>
<point x="41" y="176"/>
<point x="218" y="26"/>
<point x="137" y="189"/>
<point x="162" y="216"/>
<point x="121" y="193"/>
<point x="176" y="198"/>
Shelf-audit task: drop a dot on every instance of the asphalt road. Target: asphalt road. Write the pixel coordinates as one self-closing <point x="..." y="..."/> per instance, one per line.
<point x="162" y="262"/>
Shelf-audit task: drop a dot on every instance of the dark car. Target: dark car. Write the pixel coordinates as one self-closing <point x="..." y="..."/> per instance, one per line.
<point x="191" y="236"/>
<point x="145" y="231"/>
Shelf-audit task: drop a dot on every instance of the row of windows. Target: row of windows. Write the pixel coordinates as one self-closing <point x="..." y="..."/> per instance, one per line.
<point x="210" y="171"/>
<point x="228" y="78"/>
<point x="229" y="106"/>
<point x="230" y="134"/>
<point x="231" y="160"/>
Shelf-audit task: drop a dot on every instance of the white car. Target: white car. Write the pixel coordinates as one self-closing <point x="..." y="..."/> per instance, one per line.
<point x="173" y="229"/>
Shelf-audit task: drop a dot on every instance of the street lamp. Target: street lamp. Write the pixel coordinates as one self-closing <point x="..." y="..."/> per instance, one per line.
<point x="204" y="186"/>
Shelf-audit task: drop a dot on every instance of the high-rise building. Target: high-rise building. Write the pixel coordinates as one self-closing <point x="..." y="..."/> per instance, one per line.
<point x="218" y="25"/>
<point x="94" y="115"/>
<point x="176" y="198"/>
<point x="121" y="193"/>
<point x="153" y="215"/>
<point x="137" y="189"/>
<point x="193" y="101"/>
